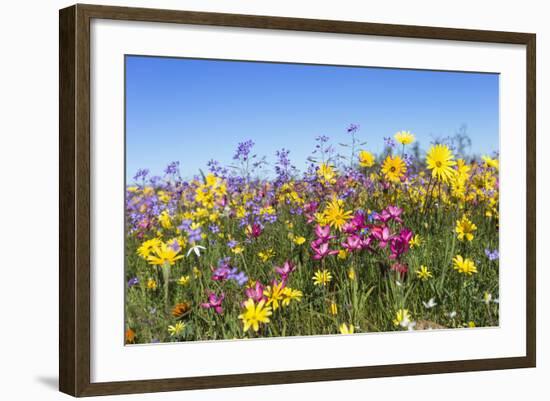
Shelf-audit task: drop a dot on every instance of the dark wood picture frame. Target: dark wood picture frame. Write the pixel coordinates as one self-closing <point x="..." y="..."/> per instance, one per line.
<point x="74" y="199"/>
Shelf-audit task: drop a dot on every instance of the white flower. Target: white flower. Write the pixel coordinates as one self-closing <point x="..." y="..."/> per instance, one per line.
<point x="196" y="249"/>
<point x="452" y="314"/>
<point x="487" y="298"/>
<point x="430" y="304"/>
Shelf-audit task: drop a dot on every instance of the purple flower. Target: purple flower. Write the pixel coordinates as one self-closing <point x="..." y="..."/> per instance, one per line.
<point x="389" y="142"/>
<point x="243" y="150"/>
<point x="238" y="276"/>
<point x="283" y="168"/>
<point x="141" y="173"/>
<point x="194" y="235"/>
<point x="232" y="244"/>
<point x="353" y="128"/>
<point x="174" y="244"/>
<point x="221" y="273"/>
<point x="492" y="255"/>
<point x="133" y="281"/>
<point x="214" y="302"/>
<point x="172" y="168"/>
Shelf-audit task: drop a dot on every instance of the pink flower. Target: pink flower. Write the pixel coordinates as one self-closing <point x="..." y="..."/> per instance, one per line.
<point x="322" y="251"/>
<point x="285" y="270"/>
<point x="384" y="216"/>
<point x="323" y="233"/>
<point x="256" y="292"/>
<point x="353" y="243"/>
<point x="214" y="302"/>
<point x="309" y="211"/>
<point x="382" y="234"/>
<point x="395" y="213"/>
<point x="400" y="244"/>
<point x="400" y="268"/>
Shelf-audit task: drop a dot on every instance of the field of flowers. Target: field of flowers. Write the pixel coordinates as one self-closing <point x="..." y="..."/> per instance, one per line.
<point x="357" y="243"/>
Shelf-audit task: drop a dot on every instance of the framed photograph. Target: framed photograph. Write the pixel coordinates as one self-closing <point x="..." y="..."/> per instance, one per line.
<point x="250" y="200"/>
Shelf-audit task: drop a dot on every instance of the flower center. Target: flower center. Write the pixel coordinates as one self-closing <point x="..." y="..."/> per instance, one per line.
<point x="438" y="163"/>
<point x="392" y="169"/>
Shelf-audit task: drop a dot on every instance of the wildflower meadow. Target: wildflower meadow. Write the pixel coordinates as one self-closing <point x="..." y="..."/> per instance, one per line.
<point x="356" y="242"/>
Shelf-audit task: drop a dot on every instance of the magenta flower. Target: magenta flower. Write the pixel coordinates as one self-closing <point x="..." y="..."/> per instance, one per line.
<point x="354" y="225"/>
<point x="214" y="302"/>
<point x="395" y="213"/>
<point x="400" y="244"/>
<point x="382" y="234"/>
<point x="384" y="216"/>
<point x="323" y="233"/>
<point x="322" y="251"/>
<point x="285" y="270"/>
<point x="256" y="292"/>
<point x="309" y="211"/>
<point x="254" y="230"/>
<point x="353" y="243"/>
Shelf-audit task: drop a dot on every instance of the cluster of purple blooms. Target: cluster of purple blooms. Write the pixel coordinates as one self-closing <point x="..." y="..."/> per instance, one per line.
<point x="224" y="271"/>
<point x="193" y="234"/>
<point x="283" y="168"/>
<point x="491" y="254"/>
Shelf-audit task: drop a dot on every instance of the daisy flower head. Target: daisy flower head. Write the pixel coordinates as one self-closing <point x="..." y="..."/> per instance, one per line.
<point x="394" y="168"/>
<point x="465" y="229"/>
<point x="266" y="255"/>
<point x="423" y="273"/>
<point x="366" y="158"/>
<point x="163" y="255"/>
<point x="439" y="159"/>
<point x="490" y="162"/>
<point x="404" y="137"/>
<point x="151" y="284"/>
<point x="147" y="247"/>
<point x="176" y="329"/>
<point x="130" y="336"/>
<point x="254" y="314"/>
<point x="415" y="241"/>
<point x="326" y="174"/>
<point x="274" y="294"/>
<point x="299" y="240"/>
<point x="181" y="309"/>
<point x="402" y="318"/>
<point x="335" y="215"/>
<point x="322" y="277"/>
<point x="464" y="266"/>
<point x="290" y="294"/>
<point x="345" y="329"/>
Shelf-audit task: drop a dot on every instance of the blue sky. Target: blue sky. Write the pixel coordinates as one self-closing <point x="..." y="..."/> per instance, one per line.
<point x="193" y="110"/>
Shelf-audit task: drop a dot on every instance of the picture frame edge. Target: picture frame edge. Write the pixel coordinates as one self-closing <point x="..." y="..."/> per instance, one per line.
<point x="74" y="199"/>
